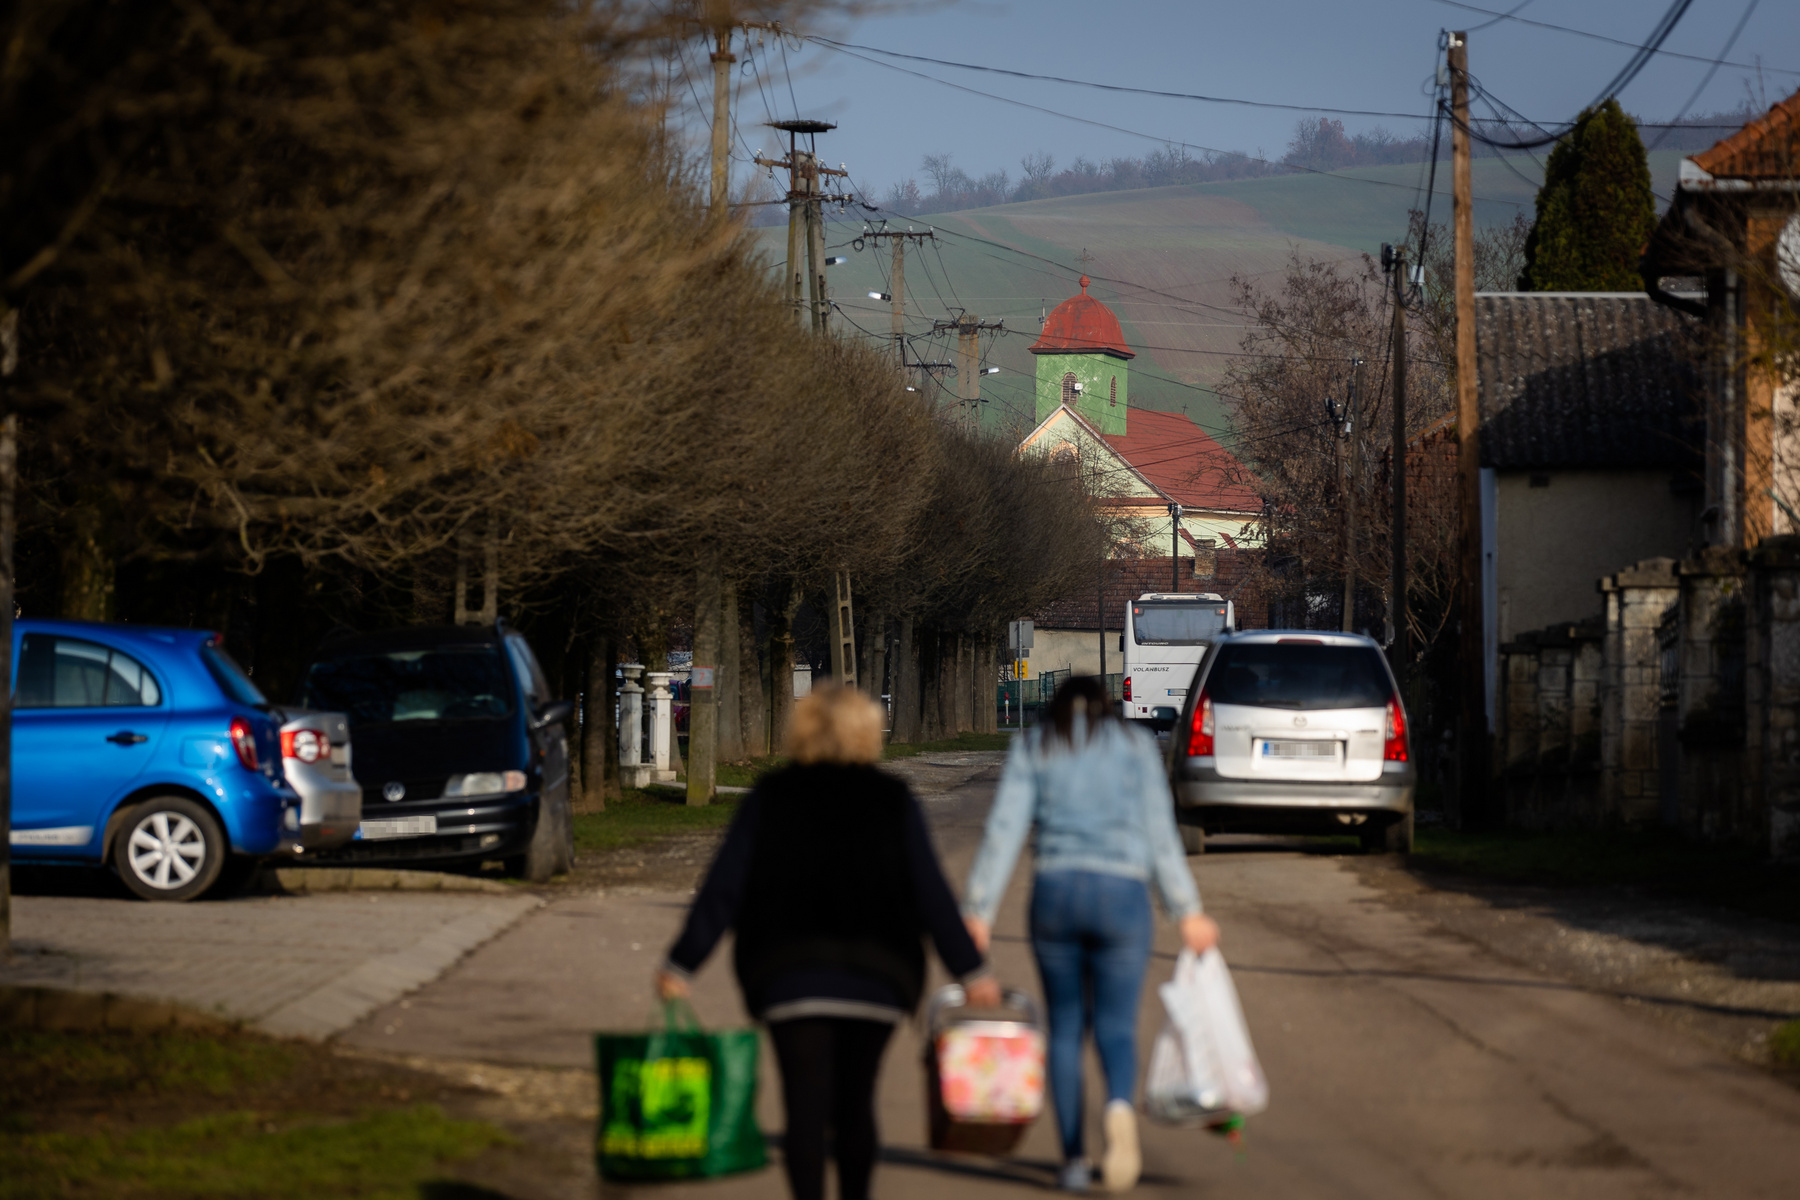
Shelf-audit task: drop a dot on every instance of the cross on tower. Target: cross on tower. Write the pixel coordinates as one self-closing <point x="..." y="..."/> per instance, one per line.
<point x="1084" y="258"/>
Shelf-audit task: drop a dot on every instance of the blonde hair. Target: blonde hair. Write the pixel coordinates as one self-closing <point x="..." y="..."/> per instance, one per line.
<point x="835" y="724"/>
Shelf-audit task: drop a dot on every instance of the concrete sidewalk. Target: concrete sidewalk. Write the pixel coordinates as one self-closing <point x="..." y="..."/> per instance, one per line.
<point x="303" y="966"/>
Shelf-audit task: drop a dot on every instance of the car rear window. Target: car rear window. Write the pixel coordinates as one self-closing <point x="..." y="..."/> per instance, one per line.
<point x="449" y="683"/>
<point x="1176" y="624"/>
<point x="1298" y="675"/>
<point x="230" y="677"/>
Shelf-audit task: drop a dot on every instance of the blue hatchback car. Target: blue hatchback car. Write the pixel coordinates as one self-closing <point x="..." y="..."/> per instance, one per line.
<point x="146" y="749"/>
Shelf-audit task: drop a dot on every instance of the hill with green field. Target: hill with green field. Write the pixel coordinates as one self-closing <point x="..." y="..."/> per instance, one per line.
<point x="1162" y="258"/>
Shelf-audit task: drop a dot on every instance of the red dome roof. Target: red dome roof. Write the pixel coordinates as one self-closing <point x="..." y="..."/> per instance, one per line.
<point x="1082" y="325"/>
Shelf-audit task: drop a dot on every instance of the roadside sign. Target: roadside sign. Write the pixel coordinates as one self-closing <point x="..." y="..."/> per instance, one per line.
<point x="1019" y="635"/>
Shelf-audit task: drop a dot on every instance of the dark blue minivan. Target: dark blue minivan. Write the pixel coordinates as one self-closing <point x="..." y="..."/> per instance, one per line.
<point x="460" y="748"/>
<point x="145" y="749"/>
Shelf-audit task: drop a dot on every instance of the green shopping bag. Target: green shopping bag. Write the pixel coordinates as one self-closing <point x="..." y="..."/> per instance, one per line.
<point x="677" y="1102"/>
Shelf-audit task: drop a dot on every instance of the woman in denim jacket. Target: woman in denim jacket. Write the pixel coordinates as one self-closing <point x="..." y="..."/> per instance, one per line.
<point x="1096" y="794"/>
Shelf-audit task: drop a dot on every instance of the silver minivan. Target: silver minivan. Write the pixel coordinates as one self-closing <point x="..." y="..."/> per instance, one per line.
<point x="1294" y="731"/>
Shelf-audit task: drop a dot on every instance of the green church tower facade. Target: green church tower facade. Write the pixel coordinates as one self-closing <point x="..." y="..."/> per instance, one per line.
<point x="1082" y="362"/>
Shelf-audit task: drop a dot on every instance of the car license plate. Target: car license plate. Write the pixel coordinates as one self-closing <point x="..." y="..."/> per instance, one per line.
<point x="1310" y="749"/>
<point x="396" y="827"/>
<point x="1177" y="691"/>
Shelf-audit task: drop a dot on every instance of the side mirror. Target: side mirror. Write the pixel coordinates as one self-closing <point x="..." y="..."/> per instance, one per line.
<point x="553" y="713"/>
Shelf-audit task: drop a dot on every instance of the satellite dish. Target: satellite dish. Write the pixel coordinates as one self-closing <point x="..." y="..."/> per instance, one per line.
<point x="1787" y="256"/>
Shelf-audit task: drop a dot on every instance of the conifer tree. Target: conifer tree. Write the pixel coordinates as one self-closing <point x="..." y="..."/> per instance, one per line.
<point x="1595" y="210"/>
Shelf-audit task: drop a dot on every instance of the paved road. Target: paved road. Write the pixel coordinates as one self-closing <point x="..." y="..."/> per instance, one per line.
<point x="1404" y="1059"/>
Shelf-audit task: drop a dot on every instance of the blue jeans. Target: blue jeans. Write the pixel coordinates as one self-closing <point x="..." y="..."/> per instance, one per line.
<point x="1091" y="935"/>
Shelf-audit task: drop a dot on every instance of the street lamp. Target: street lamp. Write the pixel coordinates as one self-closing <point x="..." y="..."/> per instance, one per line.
<point x="836" y="260"/>
<point x="879" y="296"/>
<point x="990" y="370"/>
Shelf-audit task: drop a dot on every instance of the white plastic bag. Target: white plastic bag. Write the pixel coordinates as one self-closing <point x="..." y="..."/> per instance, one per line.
<point x="1203" y="1069"/>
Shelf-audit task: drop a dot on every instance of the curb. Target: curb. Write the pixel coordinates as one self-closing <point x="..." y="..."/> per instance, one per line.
<point x="302" y="880"/>
<point x="59" y="1010"/>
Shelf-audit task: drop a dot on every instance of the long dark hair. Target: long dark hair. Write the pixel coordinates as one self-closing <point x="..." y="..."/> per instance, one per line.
<point x="1082" y="694"/>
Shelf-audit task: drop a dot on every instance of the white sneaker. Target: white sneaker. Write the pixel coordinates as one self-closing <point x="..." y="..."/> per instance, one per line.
<point x="1122" y="1163"/>
<point x="1075" y="1176"/>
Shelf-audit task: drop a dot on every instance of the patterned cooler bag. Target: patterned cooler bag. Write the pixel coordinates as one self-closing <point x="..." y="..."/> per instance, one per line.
<point x="984" y="1075"/>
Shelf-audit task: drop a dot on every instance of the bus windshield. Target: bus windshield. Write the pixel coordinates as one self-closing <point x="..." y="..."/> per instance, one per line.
<point x="1175" y="623"/>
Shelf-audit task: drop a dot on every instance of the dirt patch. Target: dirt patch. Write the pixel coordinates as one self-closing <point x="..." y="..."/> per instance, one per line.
<point x="1727" y="977"/>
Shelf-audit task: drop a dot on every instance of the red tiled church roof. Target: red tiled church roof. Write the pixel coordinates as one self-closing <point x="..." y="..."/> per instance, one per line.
<point x="1082" y="324"/>
<point x="1183" y="461"/>
<point x="1766" y="148"/>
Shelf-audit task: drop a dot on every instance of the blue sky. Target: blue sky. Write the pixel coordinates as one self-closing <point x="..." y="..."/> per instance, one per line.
<point x="1359" y="54"/>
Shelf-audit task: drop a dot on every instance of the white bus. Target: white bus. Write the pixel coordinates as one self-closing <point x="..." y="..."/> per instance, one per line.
<point x="1166" y="636"/>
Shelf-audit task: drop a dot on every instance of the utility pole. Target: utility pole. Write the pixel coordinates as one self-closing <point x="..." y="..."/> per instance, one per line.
<point x="968" y="327"/>
<point x="1352" y="472"/>
<point x="1395" y="261"/>
<point x="897" y="292"/>
<point x="1472" y="740"/>
<point x="1174" y="547"/>
<point x="806" y="220"/>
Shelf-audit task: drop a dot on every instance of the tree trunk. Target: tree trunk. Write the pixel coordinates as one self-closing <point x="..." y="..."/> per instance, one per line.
<point x="906" y="685"/>
<point x="753" y="712"/>
<point x="963" y="714"/>
<point x="938" y="705"/>
<point x="703" y="701"/>
<point x="781" y="666"/>
<point x="875" y="641"/>
<point x="602" y="720"/>
<point x="88" y="567"/>
<point x="731" y="725"/>
<point x="987" y="670"/>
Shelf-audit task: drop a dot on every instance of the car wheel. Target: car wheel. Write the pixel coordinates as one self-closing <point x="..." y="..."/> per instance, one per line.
<point x="1389" y="837"/>
<point x="542" y="853"/>
<point x="169" y="848"/>
<point x="1193" y="839"/>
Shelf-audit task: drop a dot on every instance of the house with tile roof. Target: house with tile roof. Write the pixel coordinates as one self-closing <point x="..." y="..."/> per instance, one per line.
<point x="1139" y="463"/>
<point x="1732" y="231"/>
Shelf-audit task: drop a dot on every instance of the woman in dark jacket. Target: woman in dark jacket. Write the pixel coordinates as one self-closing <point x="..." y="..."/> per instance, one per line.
<point x="829" y="879"/>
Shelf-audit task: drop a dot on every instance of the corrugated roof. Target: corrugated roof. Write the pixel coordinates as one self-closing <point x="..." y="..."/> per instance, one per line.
<point x="1766" y="148"/>
<point x="1182" y="461"/>
<point x="1583" y="379"/>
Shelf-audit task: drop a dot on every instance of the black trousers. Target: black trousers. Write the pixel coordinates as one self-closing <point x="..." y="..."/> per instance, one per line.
<point x="828" y="1070"/>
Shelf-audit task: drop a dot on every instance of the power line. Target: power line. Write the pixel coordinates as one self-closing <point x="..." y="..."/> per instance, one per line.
<point x="1664" y="27"/>
<point x="1710" y="71"/>
<point x="1134" y="132"/>
<point x="1095" y="85"/>
<point x="1601" y="37"/>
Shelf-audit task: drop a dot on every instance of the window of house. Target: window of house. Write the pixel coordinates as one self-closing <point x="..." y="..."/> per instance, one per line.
<point x="1115" y="392"/>
<point x="1069" y="394"/>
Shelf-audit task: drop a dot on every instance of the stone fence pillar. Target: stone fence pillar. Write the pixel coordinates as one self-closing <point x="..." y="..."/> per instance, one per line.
<point x="1549" y="727"/>
<point x="662" y="726"/>
<point x="1709" y="697"/>
<point x="1630" y="699"/>
<point x="633" y="773"/>
<point x="1772" y="693"/>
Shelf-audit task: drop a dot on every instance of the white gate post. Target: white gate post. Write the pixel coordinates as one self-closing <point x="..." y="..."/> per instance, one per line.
<point x="662" y="725"/>
<point x="632" y="771"/>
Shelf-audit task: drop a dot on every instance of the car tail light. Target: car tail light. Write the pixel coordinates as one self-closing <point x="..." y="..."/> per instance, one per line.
<point x="1200" y="741"/>
<point x="1128" y="687"/>
<point x="243" y="740"/>
<point x="1394" y="749"/>
<point x="307" y="745"/>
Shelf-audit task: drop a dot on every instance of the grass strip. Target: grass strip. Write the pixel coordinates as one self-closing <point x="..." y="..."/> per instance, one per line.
<point x="646" y="815"/>
<point x="377" y="1155"/>
<point x="962" y="741"/>
<point x="1655" y="861"/>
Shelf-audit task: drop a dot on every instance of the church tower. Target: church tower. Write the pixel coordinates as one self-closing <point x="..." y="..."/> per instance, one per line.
<point x="1081" y="360"/>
